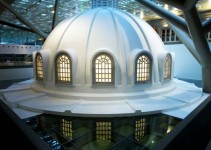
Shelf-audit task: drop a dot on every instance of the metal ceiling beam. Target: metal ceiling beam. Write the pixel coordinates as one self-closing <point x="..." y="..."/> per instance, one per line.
<point x="207" y="25"/>
<point x="170" y="17"/>
<point x="175" y="3"/>
<point x="16" y="26"/>
<point x="181" y="4"/>
<point x="188" y="4"/>
<point x="186" y="40"/>
<point x="201" y="45"/>
<point x="197" y="35"/>
<point x="23" y="20"/>
<point x="56" y="6"/>
<point x="2" y="8"/>
<point x="202" y="14"/>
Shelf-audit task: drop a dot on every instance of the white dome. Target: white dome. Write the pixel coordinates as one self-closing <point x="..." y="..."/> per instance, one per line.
<point x="122" y="35"/>
<point x="136" y="78"/>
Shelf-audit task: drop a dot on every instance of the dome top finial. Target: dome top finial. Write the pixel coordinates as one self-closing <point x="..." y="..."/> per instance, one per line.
<point x="101" y="3"/>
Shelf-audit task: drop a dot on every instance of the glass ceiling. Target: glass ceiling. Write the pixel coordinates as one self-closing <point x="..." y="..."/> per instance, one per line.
<point x="40" y="12"/>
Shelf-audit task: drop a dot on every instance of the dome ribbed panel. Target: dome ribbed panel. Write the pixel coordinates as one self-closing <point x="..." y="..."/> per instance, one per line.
<point x="103" y="29"/>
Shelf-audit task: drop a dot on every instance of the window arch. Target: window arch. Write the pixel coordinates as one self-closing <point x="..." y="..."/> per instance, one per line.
<point x="167" y="71"/>
<point x="103" y="69"/>
<point x="39" y="66"/>
<point x="63" y="68"/>
<point x="143" y="68"/>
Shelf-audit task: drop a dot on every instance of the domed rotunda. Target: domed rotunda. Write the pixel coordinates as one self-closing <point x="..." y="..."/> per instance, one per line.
<point x="103" y="54"/>
<point x="103" y="63"/>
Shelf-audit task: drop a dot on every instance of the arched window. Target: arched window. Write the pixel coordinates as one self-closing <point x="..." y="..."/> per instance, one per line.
<point x="63" y="68"/>
<point x="143" y="68"/>
<point x="167" y="71"/>
<point x="103" y="69"/>
<point x="39" y="67"/>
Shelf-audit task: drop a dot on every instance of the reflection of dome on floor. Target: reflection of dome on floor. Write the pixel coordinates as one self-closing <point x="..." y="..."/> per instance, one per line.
<point x="103" y="51"/>
<point x="64" y="132"/>
<point x="103" y="62"/>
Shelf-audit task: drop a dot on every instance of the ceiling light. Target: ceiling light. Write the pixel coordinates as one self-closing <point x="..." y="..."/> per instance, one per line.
<point x="49" y="6"/>
<point x="165" y="25"/>
<point x="160" y="5"/>
<point x="175" y="9"/>
<point x="166" y="7"/>
<point x="141" y="14"/>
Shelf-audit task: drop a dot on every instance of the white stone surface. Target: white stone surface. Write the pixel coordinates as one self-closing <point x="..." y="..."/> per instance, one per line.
<point x="185" y="111"/>
<point x="46" y="103"/>
<point x="27" y="102"/>
<point x="103" y="107"/>
<point x="23" y="114"/>
<point x="155" y="104"/>
<point x="123" y="35"/>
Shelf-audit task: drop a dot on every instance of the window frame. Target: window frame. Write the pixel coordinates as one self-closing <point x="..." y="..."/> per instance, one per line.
<point x="38" y="75"/>
<point x="112" y="83"/>
<point x="168" y="77"/>
<point x="150" y="67"/>
<point x="56" y="68"/>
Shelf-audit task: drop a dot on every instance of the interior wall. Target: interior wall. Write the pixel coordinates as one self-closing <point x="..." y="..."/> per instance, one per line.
<point x="186" y="66"/>
<point x="16" y="73"/>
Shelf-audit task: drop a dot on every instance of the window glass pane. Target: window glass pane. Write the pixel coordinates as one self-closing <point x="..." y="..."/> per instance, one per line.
<point x="143" y="65"/>
<point x="39" y="67"/>
<point x="167" y="71"/>
<point x="103" y="69"/>
<point x="63" y="69"/>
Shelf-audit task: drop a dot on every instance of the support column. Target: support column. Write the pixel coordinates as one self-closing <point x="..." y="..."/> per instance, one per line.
<point x="201" y="45"/>
<point x="186" y="40"/>
<point x="207" y="25"/>
<point x="206" y="79"/>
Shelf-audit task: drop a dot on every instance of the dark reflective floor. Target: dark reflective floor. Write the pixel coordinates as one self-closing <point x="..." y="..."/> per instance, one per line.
<point x="125" y="133"/>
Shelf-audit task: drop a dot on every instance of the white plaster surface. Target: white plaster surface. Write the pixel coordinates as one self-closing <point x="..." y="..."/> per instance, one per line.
<point x="123" y="35"/>
<point x="112" y="107"/>
<point x="47" y="103"/>
<point x="185" y="111"/>
<point x="154" y="103"/>
<point x="179" y="102"/>
<point x="24" y="113"/>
